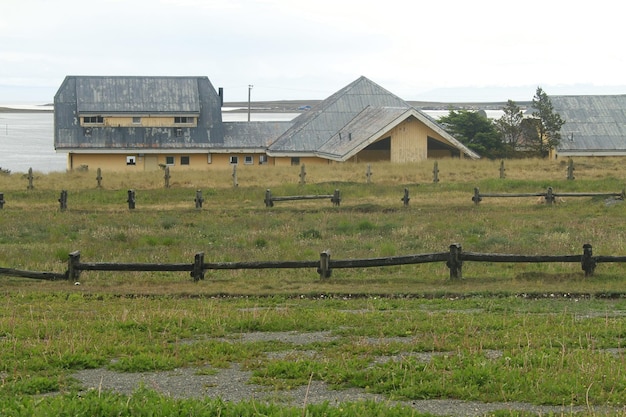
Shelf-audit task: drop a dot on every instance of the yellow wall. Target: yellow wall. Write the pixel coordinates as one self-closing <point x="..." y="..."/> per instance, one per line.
<point x="409" y="141"/>
<point x="151" y="162"/>
<point x="145" y="122"/>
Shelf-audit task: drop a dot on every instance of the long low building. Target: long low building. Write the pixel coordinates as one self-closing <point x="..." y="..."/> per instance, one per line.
<point x="143" y="123"/>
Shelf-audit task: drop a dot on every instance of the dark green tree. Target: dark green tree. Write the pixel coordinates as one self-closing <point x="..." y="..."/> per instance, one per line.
<point x="549" y="124"/>
<point x="475" y="131"/>
<point x="510" y="126"/>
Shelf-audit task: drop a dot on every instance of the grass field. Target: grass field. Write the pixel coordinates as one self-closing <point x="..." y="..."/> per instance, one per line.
<point x="540" y="334"/>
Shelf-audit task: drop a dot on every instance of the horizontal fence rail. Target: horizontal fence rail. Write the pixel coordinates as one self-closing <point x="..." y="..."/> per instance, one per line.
<point x="549" y="196"/>
<point x="454" y="259"/>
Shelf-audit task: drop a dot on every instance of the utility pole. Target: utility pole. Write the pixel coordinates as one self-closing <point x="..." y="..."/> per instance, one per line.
<point x="249" y="90"/>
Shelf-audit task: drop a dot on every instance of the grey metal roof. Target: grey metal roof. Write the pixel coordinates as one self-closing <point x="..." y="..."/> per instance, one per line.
<point x="349" y="120"/>
<point x="83" y="95"/>
<point x="592" y="123"/>
<point x="315" y="127"/>
<point x="242" y="135"/>
<point x="177" y="95"/>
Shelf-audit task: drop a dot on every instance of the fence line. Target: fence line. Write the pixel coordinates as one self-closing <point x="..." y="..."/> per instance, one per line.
<point x="550" y="196"/>
<point x="454" y="259"/>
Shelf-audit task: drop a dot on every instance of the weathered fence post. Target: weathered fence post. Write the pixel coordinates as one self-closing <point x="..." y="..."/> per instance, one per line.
<point x="502" y="169"/>
<point x="99" y="178"/>
<point x="63" y="200"/>
<point x="198" y="267"/>
<point x="324" y="268"/>
<point x="570" y="169"/>
<point x="454" y="261"/>
<point x="436" y="173"/>
<point x="550" y="196"/>
<point x="587" y="262"/>
<point x="30" y="179"/>
<point x="477" y="198"/>
<point x="131" y="199"/>
<point x="268" y="198"/>
<point x="405" y="199"/>
<point x="73" y="273"/>
<point x="235" y="182"/>
<point x="167" y="177"/>
<point x="336" y="199"/>
<point x="2" y="200"/>
<point x="368" y="173"/>
<point x="198" y="200"/>
<point x="302" y="175"/>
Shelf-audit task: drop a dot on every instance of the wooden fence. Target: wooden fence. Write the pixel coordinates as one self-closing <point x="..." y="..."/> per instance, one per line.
<point x="335" y="198"/>
<point x="454" y="259"/>
<point x="549" y="197"/>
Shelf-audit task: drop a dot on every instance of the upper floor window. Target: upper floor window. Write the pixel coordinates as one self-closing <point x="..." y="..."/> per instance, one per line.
<point x="183" y="119"/>
<point x="93" y="119"/>
<point x="136" y="120"/>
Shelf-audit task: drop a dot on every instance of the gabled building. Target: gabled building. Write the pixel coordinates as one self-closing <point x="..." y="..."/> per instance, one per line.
<point x="364" y="122"/>
<point x="142" y="123"/>
<point x="594" y="125"/>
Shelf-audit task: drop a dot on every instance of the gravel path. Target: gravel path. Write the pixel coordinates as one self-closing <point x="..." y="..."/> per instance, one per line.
<point x="233" y="384"/>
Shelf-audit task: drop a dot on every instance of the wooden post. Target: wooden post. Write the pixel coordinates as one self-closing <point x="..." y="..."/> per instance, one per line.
<point x="30" y="179"/>
<point x="477" y="198"/>
<point x="268" y="198"/>
<point x="2" y="200"/>
<point x="167" y="177"/>
<point x="436" y="173"/>
<point x="368" y="173"/>
<point x="235" y="182"/>
<point x="324" y="268"/>
<point x="502" y="169"/>
<point x="454" y="261"/>
<point x="99" y="178"/>
<point x="302" y="175"/>
<point x="549" y="196"/>
<point x="131" y="199"/>
<point x="587" y="262"/>
<point x="73" y="273"/>
<point x="198" y="267"/>
<point x="570" y="169"/>
<point x="198" y="199"/>
<point x="336" y="199"/>
<point x="406" y="198"/>
<point x="63" y="200"/>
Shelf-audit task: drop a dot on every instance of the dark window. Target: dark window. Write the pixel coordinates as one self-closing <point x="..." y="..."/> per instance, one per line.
<point x="295" y="161"/>
<point x="234" y="160"/>
<point x="184" y="160"/>
<point x="93" y="119"/>
<point x="136" y="120"/>
<point x="182" y="119"/>
<point x="169" y="160"/>
<point x="248" y="159"/>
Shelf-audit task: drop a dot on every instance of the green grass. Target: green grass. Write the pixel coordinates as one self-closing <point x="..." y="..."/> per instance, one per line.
<point x="536" y="333"/>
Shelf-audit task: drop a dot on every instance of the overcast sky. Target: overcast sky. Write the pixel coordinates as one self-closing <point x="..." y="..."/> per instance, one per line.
<point x="451" y="50"/>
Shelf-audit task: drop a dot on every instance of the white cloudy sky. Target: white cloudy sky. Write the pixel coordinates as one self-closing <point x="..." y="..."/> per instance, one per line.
<point x="307" y="49"/>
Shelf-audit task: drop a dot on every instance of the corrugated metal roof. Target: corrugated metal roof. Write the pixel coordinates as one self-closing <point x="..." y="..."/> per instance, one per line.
<point x="315" y="127"/>
<point x="137" y="94"/>
<point x="351" y="119"/>
<point x="592" y="123"/>
<point x="252" y="134"/>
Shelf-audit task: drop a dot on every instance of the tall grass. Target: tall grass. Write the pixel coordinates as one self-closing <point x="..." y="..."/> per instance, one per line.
<point x="537" y="333"/>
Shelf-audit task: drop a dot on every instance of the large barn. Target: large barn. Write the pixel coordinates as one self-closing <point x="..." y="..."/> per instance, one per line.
<point x="141" y="123"/>
<point x="594" y="125"/>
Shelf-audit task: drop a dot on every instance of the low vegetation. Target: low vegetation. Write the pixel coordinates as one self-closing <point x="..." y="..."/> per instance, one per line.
<point x="539" y="334"/>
